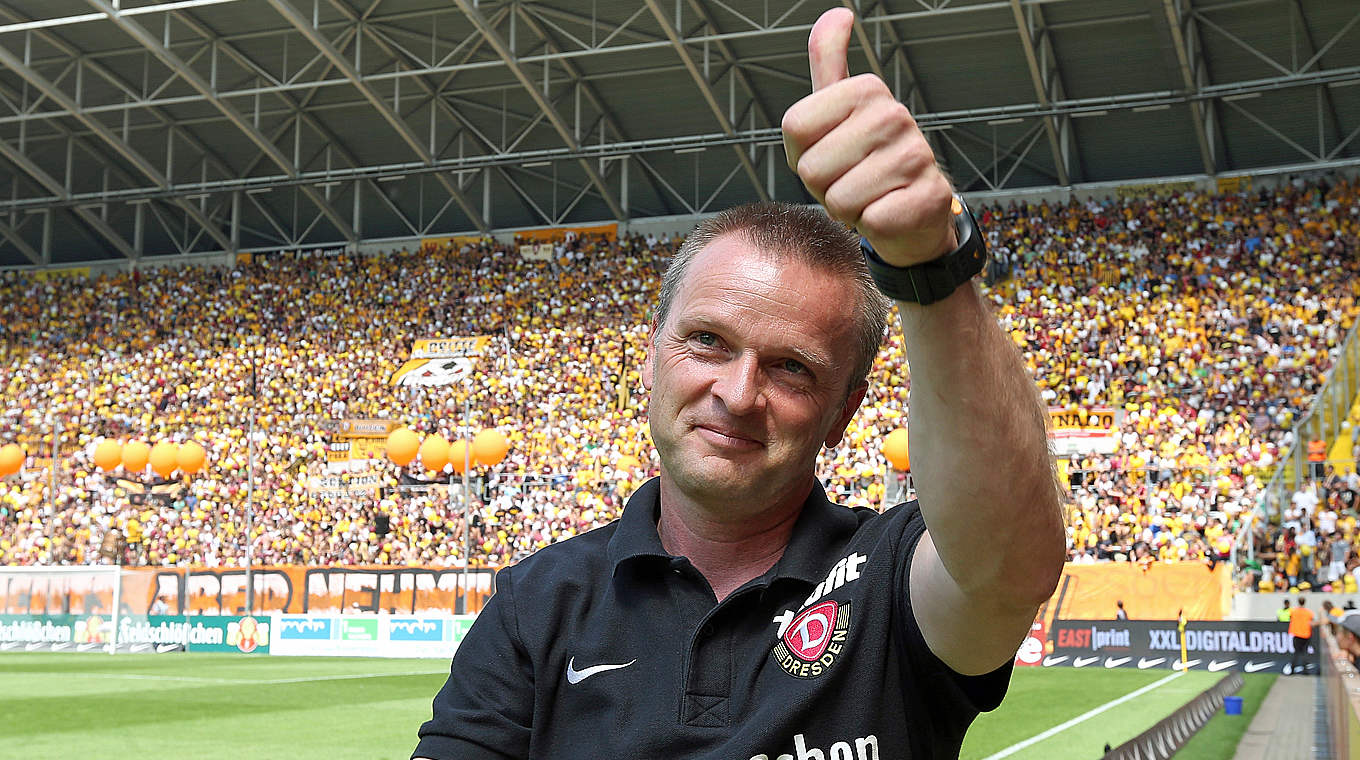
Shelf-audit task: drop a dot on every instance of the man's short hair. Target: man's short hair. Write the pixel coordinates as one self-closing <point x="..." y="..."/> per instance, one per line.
<point x="801" y="233"/>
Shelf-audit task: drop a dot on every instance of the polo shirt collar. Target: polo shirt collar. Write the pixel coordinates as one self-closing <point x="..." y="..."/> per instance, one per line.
<point x="821" y="525"/>
<point x="637" y="535"/>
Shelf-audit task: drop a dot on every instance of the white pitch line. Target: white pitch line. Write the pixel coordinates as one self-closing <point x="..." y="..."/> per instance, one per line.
<point x="1014" y="748"/>
<point x="241" y="681"/>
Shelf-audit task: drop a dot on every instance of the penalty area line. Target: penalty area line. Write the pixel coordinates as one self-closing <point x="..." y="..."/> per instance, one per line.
<point x="1014" y="748"/>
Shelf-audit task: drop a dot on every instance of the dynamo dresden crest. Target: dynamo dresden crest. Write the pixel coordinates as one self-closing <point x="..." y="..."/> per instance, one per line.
<point x="813" y="640"/>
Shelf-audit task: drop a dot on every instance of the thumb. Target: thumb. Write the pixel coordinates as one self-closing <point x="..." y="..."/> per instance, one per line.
<point x="828" y="45"/>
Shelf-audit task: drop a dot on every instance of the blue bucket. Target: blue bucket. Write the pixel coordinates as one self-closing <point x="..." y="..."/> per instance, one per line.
<point x="1232" y="705"/>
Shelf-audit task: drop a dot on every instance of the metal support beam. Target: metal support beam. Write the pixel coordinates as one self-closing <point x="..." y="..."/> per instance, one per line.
<point x="132" y="95"/>
<point x="12" y="235"/>
<point x="1047" y="84"/>
<point x="507" y="55"/>
<point x="570" y="67"/>
<point x="1191" y="66"/>
<point x="51" y="91"/>
<point x="707" y="92"/>
<point x="701" y="10"/>
<point x="202" y="87"/>
<point x="56" y="188"/>
<point x="342" y="64"/>
<point x="1328" y="103"/>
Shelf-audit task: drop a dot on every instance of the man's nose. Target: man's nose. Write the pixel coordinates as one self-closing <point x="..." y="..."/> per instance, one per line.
<point x="739" y="385"/>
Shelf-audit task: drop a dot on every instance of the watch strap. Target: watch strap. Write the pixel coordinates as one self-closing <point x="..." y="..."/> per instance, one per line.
<point x="933" y="280"/>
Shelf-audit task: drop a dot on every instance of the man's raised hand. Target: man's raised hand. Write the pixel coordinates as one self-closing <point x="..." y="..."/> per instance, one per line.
<point x="860" y="153"/>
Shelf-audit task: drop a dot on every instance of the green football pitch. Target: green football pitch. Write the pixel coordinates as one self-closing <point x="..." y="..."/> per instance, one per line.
<point x="1083" y="710"/>
<point x="209" y="706"/>
<point x="237" y="708"/>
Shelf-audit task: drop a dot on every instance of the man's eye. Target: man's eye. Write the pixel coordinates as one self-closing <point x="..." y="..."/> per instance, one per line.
<point x="795" y="367"/>
<point x="706" y="338"/>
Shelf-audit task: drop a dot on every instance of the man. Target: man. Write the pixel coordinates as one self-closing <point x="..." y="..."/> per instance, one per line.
<point x="1120" y="613"/>
<point x="1348" y="636"/>
<point x="1282" y="614"/>
<point x="1301" y="628"/>
<point x="732" y="612"/>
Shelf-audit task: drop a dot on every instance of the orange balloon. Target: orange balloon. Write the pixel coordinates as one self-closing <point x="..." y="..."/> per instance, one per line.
<point x="135" y="456"/>
<point x="895" y="449"/>
<point x="108" y="455"/>
<point x="459" y="456"/>
<point x="402" y="446"/>
<point x="434" y="453"/>
<point x="191" y="457"/>
<point x="489" y="447"/>
<point x="162" y="458"/>
<point x="11" y="459"/>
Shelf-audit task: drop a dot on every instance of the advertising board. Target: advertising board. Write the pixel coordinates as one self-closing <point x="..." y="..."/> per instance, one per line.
<point x="369" y="635"/>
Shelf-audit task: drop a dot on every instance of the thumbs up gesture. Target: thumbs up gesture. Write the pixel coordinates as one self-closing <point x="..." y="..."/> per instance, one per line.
<point x="860" y="153"/>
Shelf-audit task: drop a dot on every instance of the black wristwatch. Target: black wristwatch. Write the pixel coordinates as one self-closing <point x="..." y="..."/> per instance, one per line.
<point x="933" y="280"/>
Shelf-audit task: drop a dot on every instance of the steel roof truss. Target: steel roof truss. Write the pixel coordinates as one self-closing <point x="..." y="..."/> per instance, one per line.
<point x="1341" y="145"/>
<point x="1043" y="72"/>
<point x="55" y="187"/>
<point x="507" y="55"/>
<point x="524" y="196"/>
<point x="204" y="88"/>
<point x="1282" y="137"/>
<point x="584" y="87"/>
<point x="740" y="76"/>
<point x="351" y="73"/>
<point x="708" y="202"/>
<point x="689" y="208"/>
<point x="705" y="90"/>
<point x="1326" y="103"/>
<point x="12" y="235"/>
<point x="1185" y="42"/>
<point x="107" y="135"/>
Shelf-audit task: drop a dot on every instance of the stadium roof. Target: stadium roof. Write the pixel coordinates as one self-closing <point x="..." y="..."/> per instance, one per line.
<point x="133" y="128"/>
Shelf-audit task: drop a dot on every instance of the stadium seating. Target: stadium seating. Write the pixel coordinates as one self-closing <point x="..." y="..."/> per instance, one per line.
<point x="1209" y="320"/>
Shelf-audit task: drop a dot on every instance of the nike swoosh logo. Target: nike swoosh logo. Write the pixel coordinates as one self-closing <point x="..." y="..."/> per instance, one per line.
<point x="1176" y="665"/>
<point x="163" y="648"/>
<point x="1215" y="665"/>
<point x="1144" y="663"/>
<point x="1252" y="667"/>
<point x="1114" y="662"/>
<point x="86" y="647"/>
<point x="1050" y="661"/>
<point x="1081" y="662"/>
<point x="575" y="676"/>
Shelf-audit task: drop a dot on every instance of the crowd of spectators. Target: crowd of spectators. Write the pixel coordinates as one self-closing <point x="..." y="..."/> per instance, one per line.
<point x="1206" y="322"/>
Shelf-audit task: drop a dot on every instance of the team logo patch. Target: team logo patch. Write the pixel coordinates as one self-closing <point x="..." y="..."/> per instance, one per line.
<point x="813" y="640"/>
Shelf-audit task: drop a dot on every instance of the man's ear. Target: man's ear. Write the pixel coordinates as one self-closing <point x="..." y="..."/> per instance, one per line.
<point x="851" y="405"/>
<point x="648" y="362"/>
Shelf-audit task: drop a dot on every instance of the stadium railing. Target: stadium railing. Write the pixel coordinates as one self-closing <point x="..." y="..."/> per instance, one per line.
<point x="1324" y="421"/>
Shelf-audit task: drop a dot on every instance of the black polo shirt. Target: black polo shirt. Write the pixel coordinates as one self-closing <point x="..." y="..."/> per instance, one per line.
<point x="605" y="646"/>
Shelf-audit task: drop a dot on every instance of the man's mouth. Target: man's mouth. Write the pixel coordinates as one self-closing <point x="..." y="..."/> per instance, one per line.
<point x="727" y="438"/>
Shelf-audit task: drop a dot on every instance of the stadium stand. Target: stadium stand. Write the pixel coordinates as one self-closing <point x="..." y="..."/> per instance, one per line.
<point x="1208" y="319"/>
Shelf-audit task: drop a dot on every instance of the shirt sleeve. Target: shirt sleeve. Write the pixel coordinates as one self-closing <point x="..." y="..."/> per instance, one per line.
<point x="485" y="709"/>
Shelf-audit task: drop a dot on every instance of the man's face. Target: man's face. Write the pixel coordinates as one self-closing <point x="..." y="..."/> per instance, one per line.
<point x="1348" y="642"/>
<point x="750" y="377"/>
